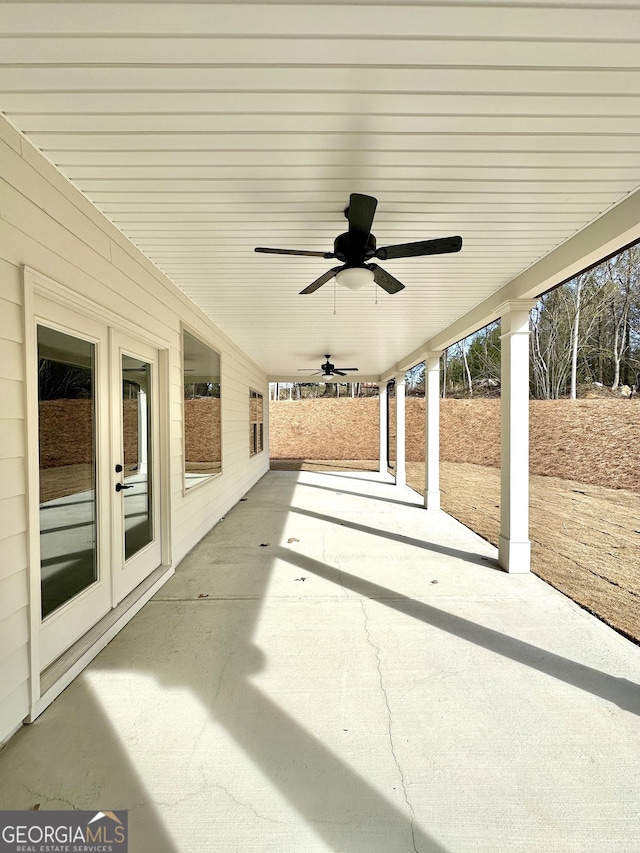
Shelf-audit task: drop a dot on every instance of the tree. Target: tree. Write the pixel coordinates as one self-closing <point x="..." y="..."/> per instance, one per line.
<point x="454" y="373"/>
<point x="550" y="344"/>
<point x="415" y="380"/>
<point x="575" y="335"/>
<point x="465" y="363"/>
<point x="443" y="362"/>
<point x="484" y="353"/>
<point x="624" y="287"/>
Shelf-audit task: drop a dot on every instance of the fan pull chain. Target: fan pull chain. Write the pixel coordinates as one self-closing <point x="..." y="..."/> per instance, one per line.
<point x="335" y="285"/>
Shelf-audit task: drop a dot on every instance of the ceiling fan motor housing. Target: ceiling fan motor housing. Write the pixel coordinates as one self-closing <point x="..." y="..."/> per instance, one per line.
<point x="345" y="253"/>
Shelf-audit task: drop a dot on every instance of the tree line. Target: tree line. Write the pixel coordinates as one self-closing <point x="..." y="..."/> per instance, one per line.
<point x="321" y="390"/>
<point x="586" y="331"/>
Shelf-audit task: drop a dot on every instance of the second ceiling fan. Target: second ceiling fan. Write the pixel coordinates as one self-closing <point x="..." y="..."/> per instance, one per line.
<point x="358" y="245"/>
<point x="327" y="369"/>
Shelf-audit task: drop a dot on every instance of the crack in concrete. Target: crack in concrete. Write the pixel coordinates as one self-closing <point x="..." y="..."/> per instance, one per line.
<point x="44" y="798"/>
<point x="152" y="801"/>
<point x="204" y="787"/>
<point x="376" y="649"/>
<point x="245" y="805"/>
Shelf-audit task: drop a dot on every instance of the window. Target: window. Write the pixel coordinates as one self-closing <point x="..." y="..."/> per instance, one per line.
<point x="67" y="443"/>
<point x="202" y="424"/>
<point x="256" y="425"/>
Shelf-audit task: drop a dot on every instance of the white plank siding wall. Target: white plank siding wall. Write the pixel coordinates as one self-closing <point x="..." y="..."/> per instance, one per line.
<point x="49" y="226"/>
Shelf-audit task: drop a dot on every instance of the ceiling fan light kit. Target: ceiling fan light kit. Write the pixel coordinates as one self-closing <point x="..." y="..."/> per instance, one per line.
<point x="354" y="278"/>
<point x="358" y="245"/>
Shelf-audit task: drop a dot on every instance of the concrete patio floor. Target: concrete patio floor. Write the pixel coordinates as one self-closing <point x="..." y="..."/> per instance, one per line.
<point x="335" y="669"/>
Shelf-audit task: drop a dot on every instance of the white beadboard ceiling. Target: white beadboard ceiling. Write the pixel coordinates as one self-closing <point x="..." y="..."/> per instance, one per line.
<point x="204" y="129"/>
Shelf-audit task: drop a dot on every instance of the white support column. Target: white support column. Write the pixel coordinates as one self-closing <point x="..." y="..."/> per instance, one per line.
<point x="432" y="430"/>
<point x="514" y="549"/>
<point x="401" y="468"/>
<point x="383" y="427"/>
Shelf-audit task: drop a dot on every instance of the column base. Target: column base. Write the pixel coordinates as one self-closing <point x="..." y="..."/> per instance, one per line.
<point x="432" y="500"/>
<point x="514" y="557"/>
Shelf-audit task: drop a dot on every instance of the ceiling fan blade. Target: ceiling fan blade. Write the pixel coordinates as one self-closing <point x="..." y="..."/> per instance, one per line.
<point x="295" y="252"/>
<point x="387" y="282"/>
<point x="339" y="373"/>
<point x="440" y="246"/>
<point x="347" y="368"/>
<point x="360" y="214"/>
<point x="311" y="288"/>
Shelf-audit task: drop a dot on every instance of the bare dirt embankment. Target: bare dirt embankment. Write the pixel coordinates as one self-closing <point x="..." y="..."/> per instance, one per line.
<point x="593" y="441"/>
<point x="585" y="483"/>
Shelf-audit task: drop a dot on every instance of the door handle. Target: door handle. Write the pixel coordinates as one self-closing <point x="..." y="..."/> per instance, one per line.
<point x="120" y="487"/>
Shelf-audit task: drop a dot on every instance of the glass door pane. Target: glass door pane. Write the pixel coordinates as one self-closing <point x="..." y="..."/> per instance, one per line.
<point x="67" y="457"/>
<point x="136" y="483"/>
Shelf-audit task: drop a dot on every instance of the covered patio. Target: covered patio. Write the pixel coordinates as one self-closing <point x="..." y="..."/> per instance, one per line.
<point x="297" y="661"/>
<point x="334" y="669"/>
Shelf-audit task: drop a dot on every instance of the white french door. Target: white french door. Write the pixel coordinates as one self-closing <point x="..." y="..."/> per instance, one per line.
<point x="98" y="464"/>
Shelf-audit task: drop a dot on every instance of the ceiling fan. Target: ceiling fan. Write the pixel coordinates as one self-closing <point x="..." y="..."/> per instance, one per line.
<point x="358" y="245"/>
<point x="327" y="369"/>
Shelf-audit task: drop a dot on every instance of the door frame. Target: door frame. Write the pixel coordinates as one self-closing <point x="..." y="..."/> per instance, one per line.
<point x="36" y="284"/>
